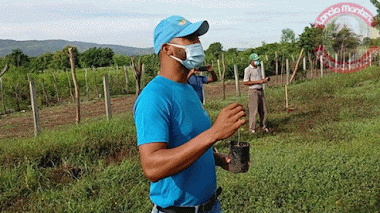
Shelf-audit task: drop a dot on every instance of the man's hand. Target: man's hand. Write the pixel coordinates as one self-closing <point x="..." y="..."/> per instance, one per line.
<point x="222" y="160"/>
<point x="228" y="121"/>
<point x="191" y="72"/>
<point x="264" y="81"/>
<point x="207" y="68"/>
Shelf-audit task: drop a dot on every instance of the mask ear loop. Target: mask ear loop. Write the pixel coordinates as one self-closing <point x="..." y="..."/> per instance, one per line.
<point x="179" y="46"/>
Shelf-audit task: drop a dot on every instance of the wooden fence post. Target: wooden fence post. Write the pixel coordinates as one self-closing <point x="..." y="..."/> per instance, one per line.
<point x="107" y="98"/>
<point x="76" y="87"/>
<point x="69" y="81"/>
<point x="2" y="95"/>
<point x="287" y="71"/>
<point x="344" y="61"/>
<point x="137" y="73"/>
<point x="224" y="71"/>
<point x="237" y="80"/>
<point x="295" y="68"/>
<point x="282" y="70"/>
<point x="263" y="73"/>
<point x="56" y="87"/>
<point x="220" y="73"/>
<point x="336" y="61"/>
<point x="286" y="97"/>
<point x="126" y="79"/>
<point x="95" y="84"/>
<point x="321" y="60"/>
<point x="276" y="56"/>
<point x="311" y="65"/>
<point x="86" y="79"/>
<point x="34" y="108"/>
<point x="349" y="62"/>
<point x="4" y="70"/>
<point x="1" y="87"/>
<point x="304" y="63"/>
<point x="142" y="74"/>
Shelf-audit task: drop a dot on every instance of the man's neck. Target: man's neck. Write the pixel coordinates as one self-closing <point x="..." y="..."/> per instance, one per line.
<point x="175" y="73"/>
<point x="254" y="66"/>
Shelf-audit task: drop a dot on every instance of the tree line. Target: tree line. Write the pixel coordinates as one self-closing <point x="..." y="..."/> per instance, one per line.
<point x="51" y="67"/>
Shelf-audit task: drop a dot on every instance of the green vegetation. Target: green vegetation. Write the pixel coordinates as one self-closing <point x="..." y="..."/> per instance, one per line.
<point x="51" y="85"/>
<point x="322" y="157"/>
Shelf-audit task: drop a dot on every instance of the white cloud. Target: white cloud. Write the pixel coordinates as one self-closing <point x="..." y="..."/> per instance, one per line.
<point x="72" y="28"/>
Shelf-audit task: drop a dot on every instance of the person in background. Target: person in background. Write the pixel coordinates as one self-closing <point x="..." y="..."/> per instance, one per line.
<point x="256" y="99"/>
<point x="197" y="81"/>
<point x="174" y="132"/>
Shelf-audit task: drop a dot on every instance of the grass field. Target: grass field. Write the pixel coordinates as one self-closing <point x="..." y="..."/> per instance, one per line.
<point x="322" y="157"/>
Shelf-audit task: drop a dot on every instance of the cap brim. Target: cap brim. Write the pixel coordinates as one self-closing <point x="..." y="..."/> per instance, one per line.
<point x="200" y="28"/>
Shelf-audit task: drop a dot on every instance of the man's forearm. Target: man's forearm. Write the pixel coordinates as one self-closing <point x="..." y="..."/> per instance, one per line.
<point x="249" y="83"/>
<point x="166" y="162"/>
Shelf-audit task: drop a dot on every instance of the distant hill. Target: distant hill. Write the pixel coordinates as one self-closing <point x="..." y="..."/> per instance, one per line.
<point x="34" y="48"/>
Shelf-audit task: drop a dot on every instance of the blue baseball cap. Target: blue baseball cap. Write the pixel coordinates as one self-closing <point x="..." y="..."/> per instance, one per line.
<point x="174" y="27"/>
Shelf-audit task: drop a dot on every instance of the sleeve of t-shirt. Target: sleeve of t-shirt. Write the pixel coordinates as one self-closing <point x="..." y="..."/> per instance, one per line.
<point x="204" y="79"/>
<point x="246" y="75"/>
<point x="151" y="115"/>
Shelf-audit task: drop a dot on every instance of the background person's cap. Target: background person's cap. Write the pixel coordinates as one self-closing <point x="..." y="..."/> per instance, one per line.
<point x="174" y="27"/>
<point x="254" y="57"/>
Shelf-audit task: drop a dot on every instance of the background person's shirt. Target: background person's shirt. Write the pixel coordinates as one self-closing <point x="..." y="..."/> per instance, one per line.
<point x="170" y="112"/>
<point x="253" y="74"/>
<point x="196" y="82"/>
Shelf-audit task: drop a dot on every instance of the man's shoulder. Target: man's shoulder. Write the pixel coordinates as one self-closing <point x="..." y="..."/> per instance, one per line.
<point x="196" y="79"/>
<point x="154" y="91"/>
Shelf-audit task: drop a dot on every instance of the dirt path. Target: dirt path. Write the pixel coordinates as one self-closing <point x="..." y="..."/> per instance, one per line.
<point x="58" y="117"/>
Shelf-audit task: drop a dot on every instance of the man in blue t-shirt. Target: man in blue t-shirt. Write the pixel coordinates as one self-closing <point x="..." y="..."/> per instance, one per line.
<point x="197" y="81"/>
<point x="174" y="132"/>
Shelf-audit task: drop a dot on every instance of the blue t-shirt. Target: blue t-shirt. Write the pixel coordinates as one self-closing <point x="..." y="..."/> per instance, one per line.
<point x="168" y="111"/>
<point x="196" y="82"/>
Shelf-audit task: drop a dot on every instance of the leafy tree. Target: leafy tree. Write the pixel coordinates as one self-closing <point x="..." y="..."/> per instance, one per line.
<point x="41" y="63"/>
<point x="61" y="58"/>
<point x="232" y="52"/>
<point x="97" y="57"/>
<point x="377" y="16"/>
<point x="288" y="36"/>
<point x="121" y="60"/>
<point x="214" y="50"/>
<point x="3" y="62"/>
<point x="310" y="38"/>
<point x="341" y="40"/>
<point x="17" y="58"/>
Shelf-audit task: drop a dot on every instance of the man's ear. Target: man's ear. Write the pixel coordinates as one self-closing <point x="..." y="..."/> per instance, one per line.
<point x="166" y="49"/>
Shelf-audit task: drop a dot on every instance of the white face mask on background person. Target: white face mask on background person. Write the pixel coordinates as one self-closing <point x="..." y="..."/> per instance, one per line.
<point x="257" y="63"/>
<point x="195" y="55"/>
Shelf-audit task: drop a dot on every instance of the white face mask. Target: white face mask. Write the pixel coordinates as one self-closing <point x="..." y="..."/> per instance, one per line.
<point x="194" y="55"/>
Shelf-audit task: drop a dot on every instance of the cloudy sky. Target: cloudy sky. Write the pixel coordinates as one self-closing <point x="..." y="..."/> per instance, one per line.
<point x="234" y="23"/>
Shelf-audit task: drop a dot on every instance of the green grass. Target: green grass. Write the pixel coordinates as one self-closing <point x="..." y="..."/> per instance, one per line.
<point x="322" y="157"/>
